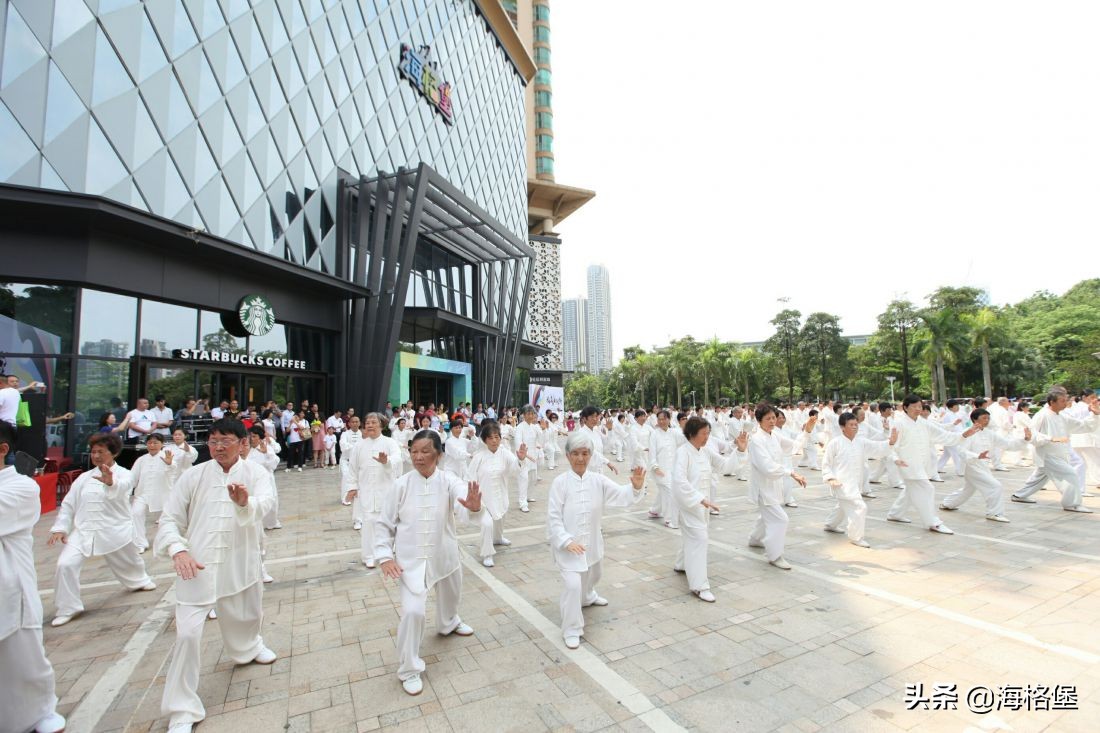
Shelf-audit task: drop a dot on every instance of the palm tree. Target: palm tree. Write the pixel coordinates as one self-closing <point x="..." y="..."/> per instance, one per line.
<point x="708" y="360"/>
<point x="945" y="331"/>
<point x="985" y="327"/>
<point x="744" y="364"/>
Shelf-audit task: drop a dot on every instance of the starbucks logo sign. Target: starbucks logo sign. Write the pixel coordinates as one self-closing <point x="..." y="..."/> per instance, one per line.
<point x="257" y="315"/>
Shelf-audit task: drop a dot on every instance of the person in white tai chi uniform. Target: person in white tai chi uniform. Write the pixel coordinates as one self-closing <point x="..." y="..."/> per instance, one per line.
<point x="1050" y="431"/>
<point x="843" y="470"/>
<point x="210" y="529"/>
<point x="529" y="434"/>
<point x="374" y="466"/>
<point x="27" y="697"/>
<point x="573" y="514"/>
<point x="150" y="475"/>
<point x="767" y="452"/>
<point x="416" y="543"/>
<point x="94" y="519"/>
<point x="494" y="470"/>
<point x="663" y="442"/>
<point x="695" y="471"/>
<point x="975" y="450"/>
<point x="912" y="454"/>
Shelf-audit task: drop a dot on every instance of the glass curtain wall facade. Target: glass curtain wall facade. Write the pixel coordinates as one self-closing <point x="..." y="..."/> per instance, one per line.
<point x="234" y="117"/>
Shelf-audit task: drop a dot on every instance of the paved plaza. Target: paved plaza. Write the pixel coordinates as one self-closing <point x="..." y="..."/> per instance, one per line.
<point x="832" y="645"/>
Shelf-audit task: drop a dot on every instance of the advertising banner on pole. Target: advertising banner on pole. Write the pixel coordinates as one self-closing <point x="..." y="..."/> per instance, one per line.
<point x="545" y="398"/>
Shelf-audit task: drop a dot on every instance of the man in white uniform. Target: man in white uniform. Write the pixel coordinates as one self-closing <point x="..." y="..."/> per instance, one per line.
<point x="1050" y="431"/>
<point x="210" y="529"/>
<point x="374" y="465"/>
<point x="27" y="698"/>
<point x="844" y="469"/>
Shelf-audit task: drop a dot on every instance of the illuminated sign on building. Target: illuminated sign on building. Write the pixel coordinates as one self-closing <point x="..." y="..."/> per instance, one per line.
<point x="423" y="73"/>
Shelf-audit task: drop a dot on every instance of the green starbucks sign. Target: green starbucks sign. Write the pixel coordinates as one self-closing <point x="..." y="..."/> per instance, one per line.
<point x="256" y="314"/>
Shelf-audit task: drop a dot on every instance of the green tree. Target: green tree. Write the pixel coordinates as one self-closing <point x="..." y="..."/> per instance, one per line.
<point x="901" y="319"/>
<point x="821" y="342"/>
<point x="985" y="327"/>
<point x="784" y="344"/>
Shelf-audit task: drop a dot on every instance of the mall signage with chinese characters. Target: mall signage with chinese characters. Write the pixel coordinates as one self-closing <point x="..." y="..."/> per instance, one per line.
<point x="225" y="357"/>
<point x="422" y="72"/>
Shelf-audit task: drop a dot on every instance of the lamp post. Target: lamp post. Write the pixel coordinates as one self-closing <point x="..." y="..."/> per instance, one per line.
<point x="891" y="379"/>
<point x="621" y="398"/>
<point x="692" y="399"/>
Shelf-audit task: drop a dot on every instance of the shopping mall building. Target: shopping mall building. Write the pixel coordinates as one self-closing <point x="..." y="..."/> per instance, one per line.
<point x="277" y="199"/>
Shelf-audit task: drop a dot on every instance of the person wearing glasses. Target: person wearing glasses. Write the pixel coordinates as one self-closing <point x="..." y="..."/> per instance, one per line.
<point x="210" y="529"/>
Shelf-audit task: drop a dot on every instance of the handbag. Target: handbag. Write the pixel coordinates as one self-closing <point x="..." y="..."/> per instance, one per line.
<point x="23" y="415"/>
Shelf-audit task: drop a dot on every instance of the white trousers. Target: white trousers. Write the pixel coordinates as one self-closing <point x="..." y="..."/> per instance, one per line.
<point x="139" y="509"/>
<point x="551" y="452"/>
<point x="240" y="618"/>
<point x="889" y="469"/>
<point x="124" y="562"/>
<point x="366" y="534"/>
<point x="995" y="455"/>
<point x="1063" y="475"/>
<point x="850" y="511"/>
<point x="448" y="592"/>
<point x="27" y="694"/>
<point x="692" y="557"/>
<point x="272" y="516"/>
<point x="1091" y="458"/>
<point x="578" y="590"/>
<point x="978" y="479"/>
<point x="771" y="529"/>
<point x="522" y="483"/>
<point x="492" y="532"/>
<point x="950" y="451"/>
<point x="659" y="500"/>
<point x="809" y="456"/>
<point x="920" y="494"/>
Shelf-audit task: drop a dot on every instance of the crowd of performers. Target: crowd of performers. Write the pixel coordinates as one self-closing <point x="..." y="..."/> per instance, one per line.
<point x="408" y="489"/>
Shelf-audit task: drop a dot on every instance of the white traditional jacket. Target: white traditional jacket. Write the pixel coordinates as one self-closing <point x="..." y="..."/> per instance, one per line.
<point x="767" y="453"/>
<point x="531" y="436"/>
<point x="416" y="527"/>
<point x="371" y="478"/>
<point x="694" y="470"/>
<point x="96" y="517"/>
<point x="1048" y="424"/>
<point x="200" y="517"/>
<point x="20" y="604"/>
<point x="845" y="461"/>
<point x="495" y="473"/>
<point x="150" y="475"/>
<point x="662" y="454"/>
<point x="987" y="439"/>
<point x="181" y="461"/>
<point x="574" y="512"/>
<point x="916" y="439"/>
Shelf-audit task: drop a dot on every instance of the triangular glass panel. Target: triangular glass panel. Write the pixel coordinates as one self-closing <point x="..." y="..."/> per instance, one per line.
<point x="124" y="30"/>
<point x="24" y="98"/>
<point x="198" y="80"/>
<point x="50" y="179"/>
<point x="205" y="15"/>
<point x="68" y="152"/>
<point x="105" y="169"/>
<point x="270" y="25"/>
<point x="173" y="25"/>
<point x="110" y="78"/>
<point x="150" y="179"/>
<point x="38" y="16"/>
<point x="21" y="48"/>
<point x="62" y="104"/>
<point x="234" y="8"/>
<point x="165" y="99"/>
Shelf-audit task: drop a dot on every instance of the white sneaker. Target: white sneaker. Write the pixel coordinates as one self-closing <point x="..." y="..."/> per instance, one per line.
<point x="670" y="525"/>
<point x="61" y="620"/>
<point x="266" y="656"/>
<point x="1023" y="499"/>
<point x="1080" y="508"/>
<point x="149" y="586"/>
<point x="704" y="595"/>
<point x="899" y="520"/>
<point x="504" y="542"/>
<point x="357" y="525"/>
<point x="141" y="550"/>
<point x="572" y="642"/>
<point x="488" y="562"/>
<point x="834" y="530"/>
<point x="278" y="525"/>
<point x="299" y="469"/>
<point x="780" y="563"/>
<point x="754" y="543"/>
<point x="869" y="495"/>
<point x="524" y="509"/>
<point x="463" y="629"/>
<point x="946" y="508"/>
<point x="600" y="601"/>
<point x="413" y="685"/>
<point x="52" y="723"/>
<point x="792" y="504"/>
<point x="286" y="470"/>
<point x="861" y="543"/>
<point x="268" y="579"/>
<point x="212" y="615"/>
<point x="998" y="518"/>
<point x="714" y="512"/>
<point x="941" y="528"/>
<point x="345" y="502"/>
<point x="369" y="563"/>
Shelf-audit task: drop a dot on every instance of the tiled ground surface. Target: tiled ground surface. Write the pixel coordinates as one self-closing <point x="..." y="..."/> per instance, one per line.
<point x="828" y="646"/>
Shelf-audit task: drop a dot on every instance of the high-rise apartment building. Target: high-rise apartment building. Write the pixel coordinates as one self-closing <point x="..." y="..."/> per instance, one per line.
<point x="574" y="331"/>
<point x="599" y="319"/>
<point x="548" y="202"/>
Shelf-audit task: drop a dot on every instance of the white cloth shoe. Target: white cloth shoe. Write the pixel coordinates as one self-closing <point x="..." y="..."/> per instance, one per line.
<point x="213" y="615"/>
<point x="998" y="518"/>
<point x="267" y="578"/>
<point x="704" y="595"/>
<point x="780" y="563"/>
<point x="504" y="542"/>
<point x="946" y="508"/>
<point x="1079" y="508"/>
<point x="357" y="525"/>
<point x="1023" y="499"/>
<point x="488" y="562"/>
<point x="899" y="520"/>
<point x="62" y="620"/>
<point x="792" y="504"/>
<point x="941" y="528"/>
<point x="266" y="656"/>
<point x="524" y="509"/>
<point x="148" y="586"/>
<point x="572" y="642"/>
<point x="861" y="543"/>
<point x="463" y="629"/>
<point x="600" y="601"/>
<point x="834" y="530"/>
<point x="758" y="545"/>
<point x="52" y="723"/>
<point x="369" y="562"/>
<point x="413" y="685"/>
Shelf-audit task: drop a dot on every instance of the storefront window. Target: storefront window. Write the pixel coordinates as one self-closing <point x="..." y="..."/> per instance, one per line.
<point x="53" y="399"/>
<point x="165" y="327"/>
<point x="175" y="384"/>
<point x="272" y="344"/>
<point x="108" y="324"/>
<point x="101" y="386"/>
<point x="36" y="319"/>
<point x="214" y="337"/>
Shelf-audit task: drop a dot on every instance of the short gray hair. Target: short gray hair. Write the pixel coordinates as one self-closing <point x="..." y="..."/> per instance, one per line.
<point x="578" y="440"/>
<point x="527" y="409"/>
<point x="383" y="421"/>
<point x="1055" y="392"/>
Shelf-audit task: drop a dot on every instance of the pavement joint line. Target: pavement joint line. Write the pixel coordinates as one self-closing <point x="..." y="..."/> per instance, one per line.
<point x="629" y="696"/>
<point x="97" y="701"/>
<point x="924" y="606"/>
<point x="986" y="538"/>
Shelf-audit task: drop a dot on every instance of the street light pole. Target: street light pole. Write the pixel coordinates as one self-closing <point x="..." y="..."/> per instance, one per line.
<point x="891" y="379"/>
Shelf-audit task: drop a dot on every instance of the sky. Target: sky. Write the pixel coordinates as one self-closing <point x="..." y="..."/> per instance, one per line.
<point x="839" y="154"/>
